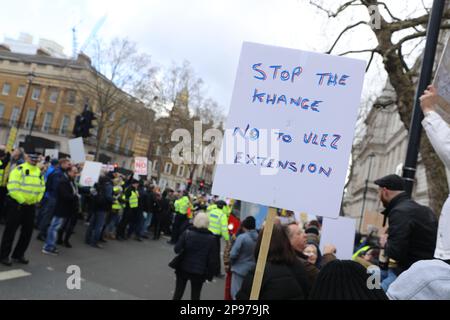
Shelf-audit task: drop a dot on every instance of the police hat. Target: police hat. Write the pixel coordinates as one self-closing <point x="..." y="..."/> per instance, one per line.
<point x="391" y="182"/>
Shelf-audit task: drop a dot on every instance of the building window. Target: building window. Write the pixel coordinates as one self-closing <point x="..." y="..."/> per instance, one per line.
<point x="64" y="125"/>
<point x="158" y="150"/>
<point x="36" y="94"/>
<point x="21" y="91"/>
<point x="180" y="172"/>
<point x="47" y="124"/>
<point x="155" y="165"/>
<point x="14" y="116"/>
<point x="128" y="145"/>
<point x="30" y="117"/>
<point x="168" y="168"/>
<point x="6" y="89"/>
<point x="117" y="143"/>
<point x="112" y="116"/>
<point x="54" y="95"/>
<point x="2" y="109"/>
<point x="71" y="97"/>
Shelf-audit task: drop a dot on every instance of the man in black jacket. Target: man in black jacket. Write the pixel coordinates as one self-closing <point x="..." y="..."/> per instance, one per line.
<point x="67" y="200"/>
<point x="412" y="231"/>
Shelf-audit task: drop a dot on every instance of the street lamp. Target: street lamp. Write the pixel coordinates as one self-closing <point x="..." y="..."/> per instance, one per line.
<point x="34" y="119"/>
<point x="30" y="77"/>
<point x="371" y="156"/>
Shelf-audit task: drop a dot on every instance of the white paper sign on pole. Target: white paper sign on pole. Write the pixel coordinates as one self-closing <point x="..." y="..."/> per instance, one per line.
<point x="140" y="166"/>
<point x="340" y="233"/>
<point x="90" y="174"/>
<point x="442" y="79"/>
<point x="290" y="129"/>
<point x="77" y="153"/>
<point x="52" y="153"/>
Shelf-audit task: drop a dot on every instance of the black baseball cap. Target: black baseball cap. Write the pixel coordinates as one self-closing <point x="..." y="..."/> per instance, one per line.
<point x="391" y="182"/>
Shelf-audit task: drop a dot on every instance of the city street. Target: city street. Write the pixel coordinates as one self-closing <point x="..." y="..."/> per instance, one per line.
<point x="121" y="270"/>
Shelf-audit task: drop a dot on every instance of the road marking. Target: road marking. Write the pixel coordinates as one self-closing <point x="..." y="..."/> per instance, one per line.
<point x="50" y="269"/>
<point x="113" y="290"/>
<point x="13" y="274"/>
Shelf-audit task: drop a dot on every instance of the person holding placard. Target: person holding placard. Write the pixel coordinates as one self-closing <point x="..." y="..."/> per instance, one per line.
<point x="284" y="275"/>
<point x="438" y="133"/>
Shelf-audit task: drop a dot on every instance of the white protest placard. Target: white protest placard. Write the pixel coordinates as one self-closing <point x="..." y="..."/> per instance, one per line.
<point x="340" y="233"/>
<point x="442" y="78"/>
<point x="140" y="166"/>
<point x="290" y="129"/>
<point x="90" y="174"/>
<point x="77" y="153"/>
<point x="52" y="153"/>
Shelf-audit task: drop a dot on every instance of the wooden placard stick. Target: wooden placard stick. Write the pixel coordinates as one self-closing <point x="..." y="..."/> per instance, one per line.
<point x="263" y="251"/>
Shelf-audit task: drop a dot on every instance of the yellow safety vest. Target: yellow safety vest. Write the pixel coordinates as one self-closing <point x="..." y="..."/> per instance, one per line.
<point x="211" y="207"/>
<point x="227" y="210"/>
<point x="2" y="171"/>
<point x="26" y="184"/>
<point x="116" y="204"/>
<point x="218" y="223"/>
<point x="134" y="199"/>
<point x="182" y="205"/>
<point x="356" y="254"/>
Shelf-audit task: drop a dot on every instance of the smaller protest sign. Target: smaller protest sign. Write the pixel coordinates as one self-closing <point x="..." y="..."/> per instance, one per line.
<point x="77" y="153"/>
<point x="339" y="232"/>
<point x="140" y="166"/>
<point x="90" y="174"/>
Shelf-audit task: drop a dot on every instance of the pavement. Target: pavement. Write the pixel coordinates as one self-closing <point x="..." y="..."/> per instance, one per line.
<point x="128" y="270"/>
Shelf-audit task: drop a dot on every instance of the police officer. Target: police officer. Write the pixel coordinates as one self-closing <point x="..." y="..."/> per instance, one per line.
<point x="182" y="206"/>
<point x="4" y="161"/>
<point x="131" y="200"/>
<point x="218" y="225"/>
<point x="25" y="189"/>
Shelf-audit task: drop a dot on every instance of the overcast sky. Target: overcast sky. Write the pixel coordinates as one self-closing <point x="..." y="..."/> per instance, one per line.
<point x="208" y="33"/>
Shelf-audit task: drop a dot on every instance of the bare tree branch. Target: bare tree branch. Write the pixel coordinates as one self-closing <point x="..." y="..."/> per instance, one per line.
<point x="359" y="51"/>
<point x="342" y="33"/>
<point x="341" y="8"/>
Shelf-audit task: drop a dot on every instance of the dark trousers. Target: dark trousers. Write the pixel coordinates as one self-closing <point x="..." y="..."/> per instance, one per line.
<point x="180" y="286"/>
<point x="94" y="231"/>
<point x="217" y="255"/>
<point x="67" y="229"/>
<point x="136" y="222"/>
<point x="157" y="226"/>
<point x="17" y="216"/>
<point x="180" y="219"/>
<point x="127" y="218"/>
<point x="3" y="192"/>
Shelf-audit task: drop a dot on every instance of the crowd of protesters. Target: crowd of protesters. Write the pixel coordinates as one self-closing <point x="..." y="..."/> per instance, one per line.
<point x="410" y="259"/>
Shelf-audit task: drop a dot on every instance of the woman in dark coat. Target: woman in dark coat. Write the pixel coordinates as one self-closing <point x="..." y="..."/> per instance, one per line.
<point x="166" y="210"/>
<point x="197" y="264"/>
<point x="284" y="276"/>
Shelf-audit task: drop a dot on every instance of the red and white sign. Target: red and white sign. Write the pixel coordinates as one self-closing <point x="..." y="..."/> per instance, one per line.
<point x="140" y="166"/>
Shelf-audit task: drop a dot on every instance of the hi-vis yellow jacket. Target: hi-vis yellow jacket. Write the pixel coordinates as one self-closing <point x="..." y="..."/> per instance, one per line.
<point x="26" y="184"/>
<point x="218" y="223"/>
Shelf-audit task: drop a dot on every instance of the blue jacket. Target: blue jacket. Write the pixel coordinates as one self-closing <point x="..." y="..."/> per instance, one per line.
<point x="52" y="183"/>
<point x="242" y="254"/>
<point x="49" y="172"/>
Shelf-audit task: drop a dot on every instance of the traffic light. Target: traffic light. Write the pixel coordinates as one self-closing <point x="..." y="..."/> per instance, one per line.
<point x="189" y="184"/>
<point x="202" y="185"/>
<point x="88" y="117"/>
<point x="83" y="123"/>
